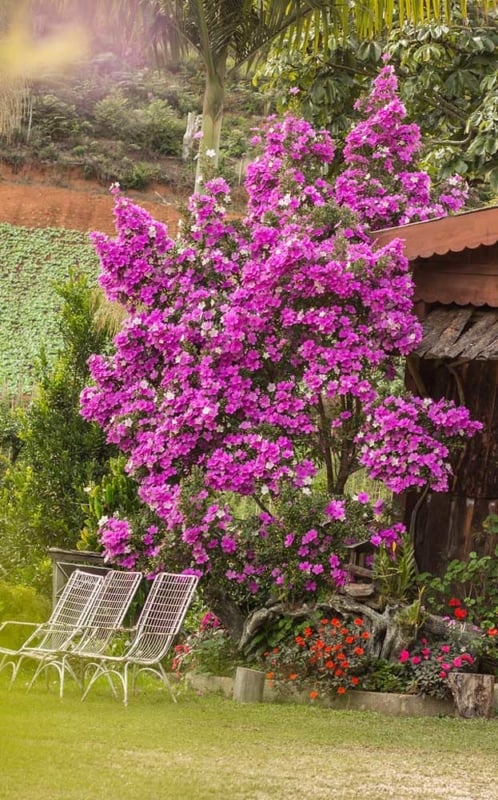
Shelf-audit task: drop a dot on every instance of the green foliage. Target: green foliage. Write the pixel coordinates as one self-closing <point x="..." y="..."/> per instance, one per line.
<point x="116" y="493"/>
<point x="42" y="493"/>
<point x="273" y="634"/>
<point x="32" y="261"/>
<point x="379" y="675"/>
<point x="448" y="82"/>
<point x="474" y="582"/>
<point x="326" y="656"/>
<point x="112" y="115"/>
<point x="54" y="119"/>
<point x="22" y="603"/>
<point x="395" y="570"/>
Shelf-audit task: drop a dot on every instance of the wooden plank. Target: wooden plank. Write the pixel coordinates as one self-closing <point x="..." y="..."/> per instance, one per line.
<point x="476" y="348"/>
<point x="473" y="336"/>
<point x="434" y="325"/>
<point x="490" y="352"/>
<point x="436" y="287"/>
<point x="456" y="322"/>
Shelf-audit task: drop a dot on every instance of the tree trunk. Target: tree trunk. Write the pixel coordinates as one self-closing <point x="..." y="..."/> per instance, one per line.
<point x="473" y="694"/>
<point x="248" y="686"/>
<point x="212" y="117"/>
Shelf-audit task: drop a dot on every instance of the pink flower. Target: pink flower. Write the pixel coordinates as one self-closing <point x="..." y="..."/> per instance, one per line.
<point x="404" y="656"/>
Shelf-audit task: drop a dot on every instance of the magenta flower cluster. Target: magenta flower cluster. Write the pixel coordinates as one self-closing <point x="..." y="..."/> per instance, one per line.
<point x="405" y="442"/>
<point x="379" y="151"/>
<point x="243" y="336"/>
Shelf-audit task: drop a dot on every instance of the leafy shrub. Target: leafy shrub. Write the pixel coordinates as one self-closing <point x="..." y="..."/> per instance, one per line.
<point x="157" y="129"/>
<point x="42" y="493"/>
<point x="379" y="675"/>
<point x="112" y="115"/>
<point x="428" y="666"/>
<point x="21" y="603"/>
<point x="208" y="650"/>
<point x="56" y="119"/>
<point x="474" y="582"/>
<point x="325" y="657"/>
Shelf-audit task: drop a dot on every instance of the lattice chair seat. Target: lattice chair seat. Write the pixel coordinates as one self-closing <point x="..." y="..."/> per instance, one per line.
<point x="106" y="615"/>
<point x="66" y="620"/>
<point x="157" y="626"/>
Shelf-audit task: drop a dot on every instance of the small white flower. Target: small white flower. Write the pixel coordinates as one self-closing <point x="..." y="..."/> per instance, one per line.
<point x="211" y="153"/>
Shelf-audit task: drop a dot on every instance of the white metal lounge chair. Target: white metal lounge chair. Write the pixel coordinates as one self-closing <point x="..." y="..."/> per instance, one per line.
<point x="67" y="617"/>
<point x="159" y="622"/>
<point x="106" y="614"/>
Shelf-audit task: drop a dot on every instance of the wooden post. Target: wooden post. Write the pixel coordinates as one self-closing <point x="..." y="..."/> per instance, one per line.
<point x="473" y="694"/>
<point x="248" y="685"/>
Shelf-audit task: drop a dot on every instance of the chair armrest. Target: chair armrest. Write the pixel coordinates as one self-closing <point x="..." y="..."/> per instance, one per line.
<point x="18" y="622"/>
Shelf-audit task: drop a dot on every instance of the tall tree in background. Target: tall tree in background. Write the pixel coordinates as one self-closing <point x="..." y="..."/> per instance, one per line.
<point x="230" y="33"/>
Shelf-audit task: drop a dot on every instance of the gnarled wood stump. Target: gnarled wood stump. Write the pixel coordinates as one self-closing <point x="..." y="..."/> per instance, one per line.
<point x="473" y="694"/>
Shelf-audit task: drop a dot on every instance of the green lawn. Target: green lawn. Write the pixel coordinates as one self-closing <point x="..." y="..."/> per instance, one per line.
<point x="208" y="747"/>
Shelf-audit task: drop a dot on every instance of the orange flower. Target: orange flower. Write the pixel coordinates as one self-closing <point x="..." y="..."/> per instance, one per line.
<point x="341" y="690"/>
<point x="313" y="695"/>
<point x="324" y="621"/>
<point x="293" y="676"/>
<point x="358" y="621"/>
<point x="270" y="675"/>
<point x="358" y="651"/>
<point x="276" y="650"/>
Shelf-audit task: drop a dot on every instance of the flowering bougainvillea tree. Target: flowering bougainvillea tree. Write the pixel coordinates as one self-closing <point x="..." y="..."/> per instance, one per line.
<point x="244" y="388"/>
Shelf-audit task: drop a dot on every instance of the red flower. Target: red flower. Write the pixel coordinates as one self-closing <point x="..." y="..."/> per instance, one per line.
<point x="460" y="613"/>
<point x="365" y="635"/>
<point x="358" y="621"/>
<point x="313" y="695"/>
<point x="349" y="639"/>
<point x="355" y="681"/>
<point x="329" y="664"/>
<point x="358" y="651"/>
<point x="454" y="602"/>
<point x="341" y="690"/>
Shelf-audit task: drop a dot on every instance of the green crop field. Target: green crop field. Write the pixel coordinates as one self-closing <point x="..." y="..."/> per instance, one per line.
<point x="32" y="261"/>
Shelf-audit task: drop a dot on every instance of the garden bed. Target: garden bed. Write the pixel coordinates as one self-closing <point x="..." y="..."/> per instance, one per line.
<point x="391" y="704"/>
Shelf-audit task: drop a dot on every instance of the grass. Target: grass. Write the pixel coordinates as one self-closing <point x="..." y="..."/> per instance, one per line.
<point x="208" y="747"/>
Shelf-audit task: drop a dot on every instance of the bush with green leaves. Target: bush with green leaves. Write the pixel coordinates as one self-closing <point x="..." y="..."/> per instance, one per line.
<point x="21" y="603"/>
<point x="473" y="582"/>
<point x="42" y="492"/>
